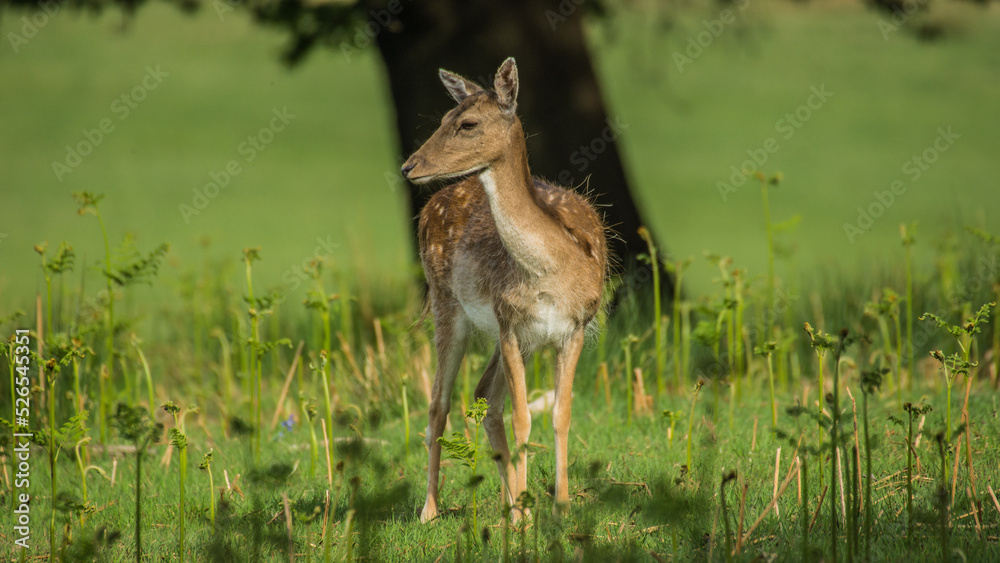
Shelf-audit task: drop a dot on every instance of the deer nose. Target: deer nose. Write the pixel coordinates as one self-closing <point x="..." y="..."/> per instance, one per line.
<point x="407" y="167"/>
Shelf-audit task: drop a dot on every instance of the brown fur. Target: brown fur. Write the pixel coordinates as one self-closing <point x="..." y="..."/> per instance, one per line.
<point x="464" y="203"/>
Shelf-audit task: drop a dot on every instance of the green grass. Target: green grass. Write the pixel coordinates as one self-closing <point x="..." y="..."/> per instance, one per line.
<point x="636" y="495"/>
<point x="610" y="470"/>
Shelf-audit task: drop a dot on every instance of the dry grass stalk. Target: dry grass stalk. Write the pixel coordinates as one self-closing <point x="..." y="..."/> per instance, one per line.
<point x="920" y="434"/>
<point x="710" y="426"/>
<point x="425" y="353"/>
<point x="774" y="501"/>
<point x="968" y="432"/>
<point x="857" y="444"/>
<point x="643" y="402"/>
<point x="968" y="453"/>
<point x="168" y="452"/>
<point x="840" y="479"/>
<point x="798" y="463"/>
<point x="326" y="516"/>
<point x="607" y="383"/>
<point x="288" y="383"/>
<point x="425" y="382"/>
<point x="993" y="496"/>
<point x="739" y="529"/>
<point x="640" y="484"/>
<point x="777" y="470"/>
<point x="444" y="549"/>
<point x="380" y="345"/>
<point x="288" y="527"/>
<point x="954" y="471"/>
<point x="346" y="349"/>
<point x="819" y="505"/>
<point x="975" y="513"/>
<point x="329" y="462"/>
<point x="371" y="371"/>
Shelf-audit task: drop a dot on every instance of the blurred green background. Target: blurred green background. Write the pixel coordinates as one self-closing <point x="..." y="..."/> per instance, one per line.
<point x="331" y="174"/>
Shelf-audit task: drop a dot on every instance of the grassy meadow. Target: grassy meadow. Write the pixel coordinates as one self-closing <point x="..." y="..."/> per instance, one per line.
<point x="279" y="320"/>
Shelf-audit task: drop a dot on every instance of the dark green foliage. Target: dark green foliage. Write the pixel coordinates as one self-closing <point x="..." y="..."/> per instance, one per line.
<point x="133" y="424"/>
<point x="135" y="267"/>
<point x="91" y="545"/>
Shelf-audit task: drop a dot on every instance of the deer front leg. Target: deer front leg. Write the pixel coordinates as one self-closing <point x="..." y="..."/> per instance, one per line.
<point x="513" y="369"/>
<point x="493" y="388"/>
<point x="450" y="339"/>
<point x="566" y="359"/>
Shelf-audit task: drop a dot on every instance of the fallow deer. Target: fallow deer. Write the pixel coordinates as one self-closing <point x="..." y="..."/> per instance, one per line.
<point x="507" y="254"/>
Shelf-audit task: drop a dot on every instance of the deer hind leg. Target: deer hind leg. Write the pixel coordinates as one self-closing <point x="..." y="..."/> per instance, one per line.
<point x="566" y="359"/>
<point x="513" y="369"/>
<point x="493" y="388"/>
<point x="450" y="338"/>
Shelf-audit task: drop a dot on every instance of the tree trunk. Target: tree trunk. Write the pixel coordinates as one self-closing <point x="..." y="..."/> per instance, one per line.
<point x="571" y="139"/>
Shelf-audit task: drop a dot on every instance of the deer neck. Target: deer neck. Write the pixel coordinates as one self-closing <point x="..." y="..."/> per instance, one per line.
<point x="525" y="229"/>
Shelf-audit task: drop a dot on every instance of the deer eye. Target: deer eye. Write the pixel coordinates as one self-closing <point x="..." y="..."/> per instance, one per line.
<point x="468" y="126"/>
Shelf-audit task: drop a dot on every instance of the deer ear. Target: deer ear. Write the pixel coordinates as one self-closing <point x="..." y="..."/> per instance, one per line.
<point x="505" y="85"/>
<point x="458" y="88"/>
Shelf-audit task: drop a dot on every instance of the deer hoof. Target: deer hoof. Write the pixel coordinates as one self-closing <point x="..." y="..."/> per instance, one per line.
<point x="430" y="512"/>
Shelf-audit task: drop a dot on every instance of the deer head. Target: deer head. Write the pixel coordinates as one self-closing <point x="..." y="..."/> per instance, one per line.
<point x="474" y="134"/>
